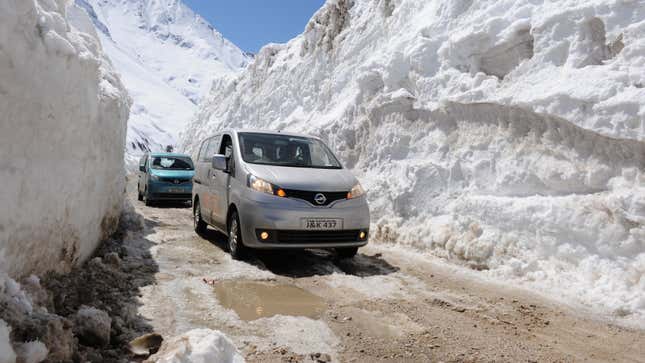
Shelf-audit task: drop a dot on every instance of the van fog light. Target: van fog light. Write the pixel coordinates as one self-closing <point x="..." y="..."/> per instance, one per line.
<point x="362" y="235"/>
<point x="264" y="235"/>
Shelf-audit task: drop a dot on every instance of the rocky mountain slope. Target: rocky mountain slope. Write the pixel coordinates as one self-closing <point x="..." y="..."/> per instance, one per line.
<point x="508" y="136"/>
<point x="168" y="57"/>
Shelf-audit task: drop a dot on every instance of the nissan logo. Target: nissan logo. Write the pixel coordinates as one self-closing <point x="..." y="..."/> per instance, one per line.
<point x="320" y="198"/>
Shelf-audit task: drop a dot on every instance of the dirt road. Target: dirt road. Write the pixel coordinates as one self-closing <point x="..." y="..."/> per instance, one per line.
<point x="388" y="304"/>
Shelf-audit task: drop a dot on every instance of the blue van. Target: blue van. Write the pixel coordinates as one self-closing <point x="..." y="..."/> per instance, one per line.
<point x="165" y="177"/>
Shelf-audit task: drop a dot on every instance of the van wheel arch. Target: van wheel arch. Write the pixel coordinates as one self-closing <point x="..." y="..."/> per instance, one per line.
<point x="231" y="208"/>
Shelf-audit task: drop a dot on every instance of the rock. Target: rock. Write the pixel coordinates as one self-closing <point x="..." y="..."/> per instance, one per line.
<point x="323" y="358"/>
<point x="112" y="259"/>
<point x="39" y="296"/>
<point x="96" y="262"/>
<point x="145" y="344"/>
<point x="92" y="326"/>
<point x="52" y="330"/>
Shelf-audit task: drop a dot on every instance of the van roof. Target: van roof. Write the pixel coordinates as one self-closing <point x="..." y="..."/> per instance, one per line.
<point x="271" y="132"/>
<point x="160" y="154"/>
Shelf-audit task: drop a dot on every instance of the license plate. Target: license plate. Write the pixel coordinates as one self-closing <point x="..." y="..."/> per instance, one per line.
<point x="175" y="190"/>
<point x="321" y="224"/>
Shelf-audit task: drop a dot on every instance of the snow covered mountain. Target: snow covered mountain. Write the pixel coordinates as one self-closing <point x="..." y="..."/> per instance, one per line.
<point x="507" y="135"/>
<point x="168" y="57"/>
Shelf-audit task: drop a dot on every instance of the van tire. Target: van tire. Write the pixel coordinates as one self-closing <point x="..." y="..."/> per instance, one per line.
<point x="346" y="253"/>
<point x="139" y="195"/>
<point x="235" y="244"/>
<point x="146" y="200"/>
<point x="198" y="222"/>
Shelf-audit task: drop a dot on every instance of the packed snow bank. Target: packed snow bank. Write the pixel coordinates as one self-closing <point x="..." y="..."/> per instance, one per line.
<point x="168" y="57"/>
<point x="7" y="355"/>
<point x="506" y="135"/>
<point x="199" y="346"/>
<point x="62" y="132"/>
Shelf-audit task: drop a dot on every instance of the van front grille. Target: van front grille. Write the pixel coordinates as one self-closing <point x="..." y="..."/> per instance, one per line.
<point x="171" y="196"/>
<point x="176" y="181"/>
<point x="310" y="197"/>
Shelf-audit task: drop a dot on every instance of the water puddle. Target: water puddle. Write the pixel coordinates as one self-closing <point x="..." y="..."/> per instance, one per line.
<point x="254" y="300"/>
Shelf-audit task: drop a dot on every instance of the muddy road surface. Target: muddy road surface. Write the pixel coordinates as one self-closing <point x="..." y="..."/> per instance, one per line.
<point x="388" y="304"/>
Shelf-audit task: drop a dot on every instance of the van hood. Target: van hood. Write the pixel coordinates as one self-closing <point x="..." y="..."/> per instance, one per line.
<point x="307" y="179"/>
<point x="173" y="173"/>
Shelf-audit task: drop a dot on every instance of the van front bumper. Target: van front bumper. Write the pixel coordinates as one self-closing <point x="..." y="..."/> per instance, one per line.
<point x="282" y="219"/>
<point x="160" y="191"/>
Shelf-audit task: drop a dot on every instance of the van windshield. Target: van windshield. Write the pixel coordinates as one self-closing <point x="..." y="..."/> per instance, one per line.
<point x="171" y="163"/>
<point x="284" y="150"/>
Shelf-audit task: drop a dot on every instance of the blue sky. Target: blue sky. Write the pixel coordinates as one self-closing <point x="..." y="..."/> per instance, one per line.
<point x="250" y="24"/>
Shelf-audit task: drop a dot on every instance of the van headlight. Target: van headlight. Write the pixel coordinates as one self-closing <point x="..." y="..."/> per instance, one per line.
<point x="154" y="177"/>
<point x="357" y="191"/>
<point x="260" y="185"/>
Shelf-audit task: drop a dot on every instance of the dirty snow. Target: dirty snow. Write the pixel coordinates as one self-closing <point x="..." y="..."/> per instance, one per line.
<point x="32" y="352"/>
<point x="302" y="335"/>
<point x="507" y="136"/>
<point x="62" y="131"/>
<point x="394" y="286"/>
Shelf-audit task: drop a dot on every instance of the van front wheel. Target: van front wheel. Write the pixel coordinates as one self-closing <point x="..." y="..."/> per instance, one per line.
<point x="146" y="199"/>
<point x="199" y="224"/>
<point x="235" y="244"/>
<point x="139" y="195"/>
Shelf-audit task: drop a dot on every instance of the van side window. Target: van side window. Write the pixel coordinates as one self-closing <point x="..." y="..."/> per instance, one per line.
<point x="212" y="148"/>
<point x="227" y="146"/>
<point x="226" y="149"/>
<point x="202" y="151"/>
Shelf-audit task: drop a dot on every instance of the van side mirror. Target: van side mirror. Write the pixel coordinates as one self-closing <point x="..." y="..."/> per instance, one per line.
<point x="142" y="168"/>
<point x="220" y="162"/>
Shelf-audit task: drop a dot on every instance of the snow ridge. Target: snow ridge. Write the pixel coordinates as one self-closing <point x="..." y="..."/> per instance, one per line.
<point x="508" y="136"/>
<point x="168" y="57"/>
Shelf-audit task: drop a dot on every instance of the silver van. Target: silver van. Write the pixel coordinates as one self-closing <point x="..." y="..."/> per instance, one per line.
<point x="277" y="190"/>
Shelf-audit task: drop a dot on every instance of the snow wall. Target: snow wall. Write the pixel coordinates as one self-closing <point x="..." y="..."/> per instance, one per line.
<point x="63" y="115"/>
<point x="508" y="136"/>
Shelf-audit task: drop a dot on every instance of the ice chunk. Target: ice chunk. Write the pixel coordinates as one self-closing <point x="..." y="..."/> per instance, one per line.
<point x="199" y="346"/>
